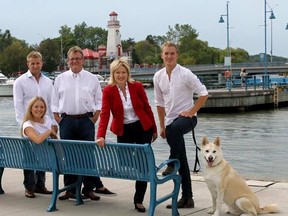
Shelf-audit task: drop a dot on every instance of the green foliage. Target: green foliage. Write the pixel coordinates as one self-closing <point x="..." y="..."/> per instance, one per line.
<point x="147" y="52"/>
<point x="5" y="39"/>
<point x="89" y="37"/>
<point x="13" y="57"/>
<point x="50" y="50"/>
<point x="83" y="36"/>
<point x="192" y="50"/>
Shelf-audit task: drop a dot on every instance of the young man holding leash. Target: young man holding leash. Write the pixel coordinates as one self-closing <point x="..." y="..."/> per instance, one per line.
<point x="174" y="87"/>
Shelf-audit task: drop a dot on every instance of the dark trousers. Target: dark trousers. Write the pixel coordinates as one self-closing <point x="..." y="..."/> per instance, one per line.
<point x="134" y="133"/>
<point x="79" y="129"/>
<point x="175" y="138"/>
<point x="34" y="179"/>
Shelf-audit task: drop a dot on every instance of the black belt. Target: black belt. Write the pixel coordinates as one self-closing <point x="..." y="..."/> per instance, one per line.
<point x="80" y="116"/>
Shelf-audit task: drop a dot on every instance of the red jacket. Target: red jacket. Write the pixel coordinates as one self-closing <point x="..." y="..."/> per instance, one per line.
<point x="111" y="101"/>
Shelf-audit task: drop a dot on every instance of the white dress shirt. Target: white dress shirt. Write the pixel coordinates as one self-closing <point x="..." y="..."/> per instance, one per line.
<point x="176" y="95"/>
<point x="129" y="113"/>
<point x="76" y="94"/>
<point x="25" y="88"/>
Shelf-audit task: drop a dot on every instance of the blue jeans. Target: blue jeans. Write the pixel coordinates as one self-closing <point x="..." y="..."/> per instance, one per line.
<point x="175" y="139"/>
<point x="34" y="179"/>
<point x="79" y="129"/>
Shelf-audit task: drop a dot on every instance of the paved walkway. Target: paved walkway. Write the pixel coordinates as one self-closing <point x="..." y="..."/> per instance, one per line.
<point x="13" y="202"/>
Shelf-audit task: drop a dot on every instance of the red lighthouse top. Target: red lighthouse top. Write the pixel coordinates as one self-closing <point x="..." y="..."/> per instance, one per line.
<point x="113" y="14"/>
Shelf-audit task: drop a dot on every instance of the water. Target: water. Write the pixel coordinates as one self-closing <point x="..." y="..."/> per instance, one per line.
<point x="254" y="143"/>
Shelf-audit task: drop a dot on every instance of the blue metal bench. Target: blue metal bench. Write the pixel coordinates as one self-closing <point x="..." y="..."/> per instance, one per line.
<point x="83" y="158"/>
<point x="115" y="160"/>
<point x="21" y="153"/>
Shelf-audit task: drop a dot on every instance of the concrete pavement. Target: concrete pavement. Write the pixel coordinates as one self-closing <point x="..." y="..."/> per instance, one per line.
<point x="13" y="202"/>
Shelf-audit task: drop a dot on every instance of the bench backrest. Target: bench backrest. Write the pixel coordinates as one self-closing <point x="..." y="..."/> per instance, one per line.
<point x="22" y="153"/>
<point x="115" y="160"/>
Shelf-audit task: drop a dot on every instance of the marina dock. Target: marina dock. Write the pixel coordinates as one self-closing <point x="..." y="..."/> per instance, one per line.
<point x="241" y="99"/>
<point x="14" y="203"/>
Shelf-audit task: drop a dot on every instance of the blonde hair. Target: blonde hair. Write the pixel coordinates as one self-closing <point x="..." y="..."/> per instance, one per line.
<point x="115" y="65"/>
<point x="169" y="44"/>
<point x="75" y="49"/>
<point x="28" y="114"/>
<point x="34" y="54"/>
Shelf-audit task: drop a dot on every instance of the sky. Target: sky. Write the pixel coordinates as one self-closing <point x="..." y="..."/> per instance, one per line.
<point x="36" y="20"/>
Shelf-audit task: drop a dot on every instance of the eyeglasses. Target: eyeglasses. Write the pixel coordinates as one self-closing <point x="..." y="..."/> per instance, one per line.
<point x="75" y="59"/>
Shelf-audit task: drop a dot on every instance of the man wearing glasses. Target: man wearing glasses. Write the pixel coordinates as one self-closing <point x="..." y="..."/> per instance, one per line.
<point x="76" y="104"/>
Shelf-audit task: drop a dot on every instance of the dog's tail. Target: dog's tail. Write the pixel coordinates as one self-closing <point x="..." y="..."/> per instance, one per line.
<point x="270" y="208"/>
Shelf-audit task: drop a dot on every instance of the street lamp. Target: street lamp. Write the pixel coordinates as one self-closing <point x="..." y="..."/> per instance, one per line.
<point x="227" y="61"/>
<point x="265" y="78"/>
<point x="286" y="27"/>
<point x="272" y="16"/>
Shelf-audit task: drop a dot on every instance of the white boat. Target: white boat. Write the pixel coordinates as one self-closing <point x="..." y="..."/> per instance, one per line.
<point x="6" y="86"/>
<point x="102" y="80"/>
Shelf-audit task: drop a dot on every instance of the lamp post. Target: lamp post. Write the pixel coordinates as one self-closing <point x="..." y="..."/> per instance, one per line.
<point x="272" y="16"/>
<point x="227" y="61"/>
<point x="286" y="26"/>
<point x="265" y="78"/>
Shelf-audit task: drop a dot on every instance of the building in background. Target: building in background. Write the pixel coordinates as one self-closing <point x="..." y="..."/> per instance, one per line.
<point x="114" y="47"/>
<point x="98" y="61"/>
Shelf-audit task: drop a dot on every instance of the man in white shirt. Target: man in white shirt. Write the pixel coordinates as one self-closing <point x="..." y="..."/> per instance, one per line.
<point x="28" y="85"/>
<point x="76" y="104"/>
<point x="174" y="87"/>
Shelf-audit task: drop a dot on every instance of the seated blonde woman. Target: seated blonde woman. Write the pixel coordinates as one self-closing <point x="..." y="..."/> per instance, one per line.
<point x="36" y="127"/>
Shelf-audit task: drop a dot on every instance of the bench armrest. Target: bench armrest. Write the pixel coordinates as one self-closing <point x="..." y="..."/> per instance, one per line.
<point x="164" y="163"/>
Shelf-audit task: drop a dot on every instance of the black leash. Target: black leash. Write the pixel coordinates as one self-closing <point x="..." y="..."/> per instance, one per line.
<point x="197" y="162"/>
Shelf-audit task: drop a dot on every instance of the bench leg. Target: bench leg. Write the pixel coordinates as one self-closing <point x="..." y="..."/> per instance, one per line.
<point x="177" y="182"/>
<point x="153" y="197"/>
<point x="1" y="173"/>
<point x="53" y="200"/>
<point x="79" y="200"/>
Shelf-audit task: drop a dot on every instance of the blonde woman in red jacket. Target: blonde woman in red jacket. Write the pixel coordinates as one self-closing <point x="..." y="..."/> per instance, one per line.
<point x="133" y="120"/>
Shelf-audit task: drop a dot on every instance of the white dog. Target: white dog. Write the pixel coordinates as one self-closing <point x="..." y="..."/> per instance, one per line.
<point x="226" y="185"/>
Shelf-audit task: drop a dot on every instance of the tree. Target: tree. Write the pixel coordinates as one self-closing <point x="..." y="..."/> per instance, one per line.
<point x="83" y="36"/>
<point x="13" y="57"/>
<point x="239" y="55"/>
<point x="179" y="32"/>
<point x="5" y="39"/>
<point x="50" y="50"/>
<point x="67" y="37"/>
<point x="147" y="52"/>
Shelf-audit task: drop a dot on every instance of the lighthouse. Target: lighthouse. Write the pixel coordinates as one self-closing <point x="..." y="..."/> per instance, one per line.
<point x="114" y="47"/>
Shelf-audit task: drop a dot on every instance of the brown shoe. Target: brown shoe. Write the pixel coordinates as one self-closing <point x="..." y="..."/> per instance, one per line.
<point x="42" y="190"/>
<point x="29" y="193"/>
<point x="168" y="171"/>
<point x="92" y="195"/>
<point x="184" y="203"/>
<point x="71" y="196"/>
<point x="66" y="196"/>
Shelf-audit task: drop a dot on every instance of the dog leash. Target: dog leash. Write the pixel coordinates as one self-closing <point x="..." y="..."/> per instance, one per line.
<point x="197" y="162"/>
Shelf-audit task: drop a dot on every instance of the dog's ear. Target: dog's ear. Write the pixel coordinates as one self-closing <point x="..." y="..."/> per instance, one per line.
<point x="217" y="141"/>
<point x="205" y="141"/>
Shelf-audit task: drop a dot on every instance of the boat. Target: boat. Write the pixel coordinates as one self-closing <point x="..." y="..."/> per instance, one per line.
<point x="6" y="86"/>
<point x="103" y="82"/>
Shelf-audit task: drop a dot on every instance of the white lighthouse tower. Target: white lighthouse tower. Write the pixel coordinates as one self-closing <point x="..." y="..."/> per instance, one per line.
<point x="114" y="47"/>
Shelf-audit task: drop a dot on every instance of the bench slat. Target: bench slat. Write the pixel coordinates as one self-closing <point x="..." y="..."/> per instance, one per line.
<point x="22" y="153"/>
